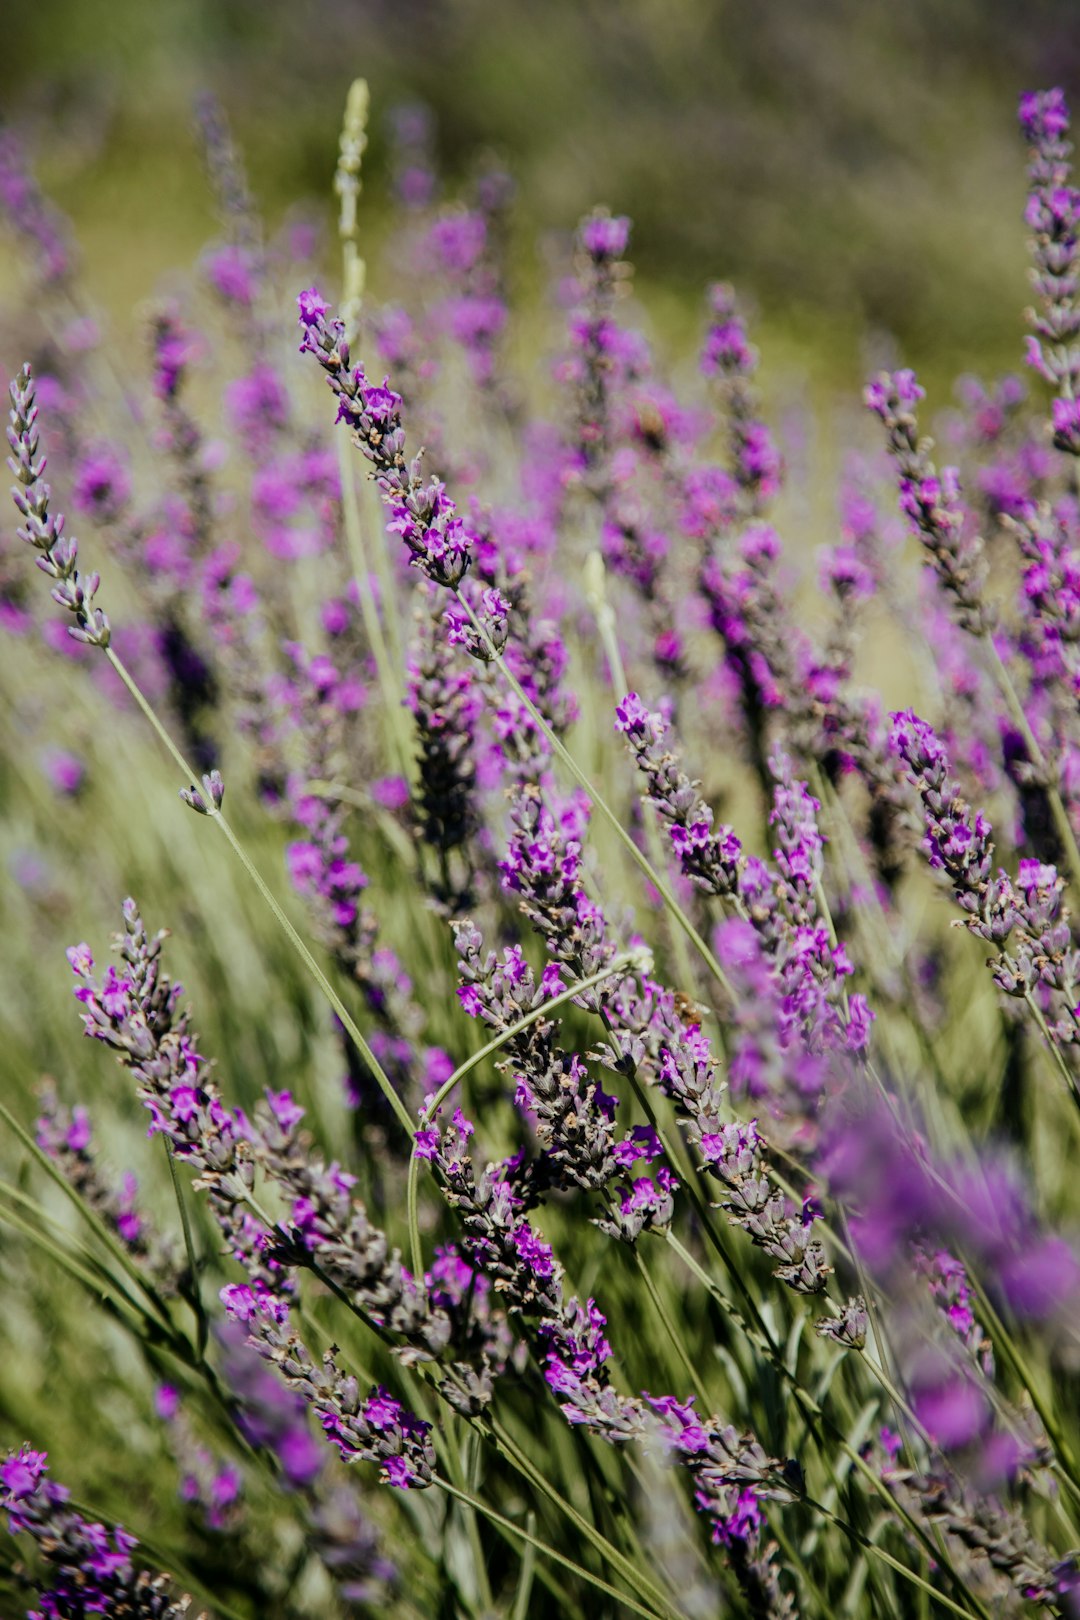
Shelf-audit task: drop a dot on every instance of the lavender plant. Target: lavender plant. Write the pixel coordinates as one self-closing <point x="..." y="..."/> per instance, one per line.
<point x="692" y="1232"/>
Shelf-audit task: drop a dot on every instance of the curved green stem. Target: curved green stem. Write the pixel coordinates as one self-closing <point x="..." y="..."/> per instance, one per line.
<point x="202" y="1326"/>
<point x="316" y="972"/>
<point x="674" y="1336"/>
<point x="1070" y="1079"/>
<point x="626" y="1569"/>
<point x="542" y="1547"/>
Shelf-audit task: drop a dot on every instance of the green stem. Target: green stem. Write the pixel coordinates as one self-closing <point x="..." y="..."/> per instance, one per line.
<point x="549" y="1552"/>
<point x="669" y="1328"/>
<point x="520" y="1610"/>
<point x="386" y="670"/>
<point x="348" y="1022"/>
<point x="96" y="1285"/>
<point x="456" y="1461"/>
<point x="1037" y="1013"/>
<point x="633" y="1576"/>
<point x="104" y="1286"/>
<point x="756" y="1331"/>
<point x="202" y="1326"/>
<point x="1003" y="1338"/>
<point x="849" y="1530"/>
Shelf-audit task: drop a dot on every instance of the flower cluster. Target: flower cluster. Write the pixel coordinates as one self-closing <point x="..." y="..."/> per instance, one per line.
<point x="375" y="1428"/>
<point x="463" y="246"/>
<point x="90" y="1566"/>
<point x="782" y="907"/>
<point x="571" y="1114"/>
<point x="44" y="528"/>
<point x="1026" y="914"/>
<point x="421" y="513"/>
<point x="207" y="1482"/>
<point x="729" y="358"/>
<point x="1053" y="217"/>
<point x="601" y="352"/>
<point x="930" y="501"/>
<point x="135" y="1009"/>
<point x="445" y="700"/>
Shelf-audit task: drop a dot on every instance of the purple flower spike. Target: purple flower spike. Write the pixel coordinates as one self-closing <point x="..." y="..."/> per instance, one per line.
<point x="90" y="1566"/>
<point x="931" y="502"/>
<point x="728" y="357"/>
<point x="420" y="512"/>
<point x="43" y="529"/>
<point x="722" y="1464"/>
<point x="1053" y="216"/>
<point x="604" y="237"/>
<point x="958" y="840"/>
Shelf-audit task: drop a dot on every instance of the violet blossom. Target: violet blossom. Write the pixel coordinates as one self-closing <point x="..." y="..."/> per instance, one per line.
<point x="90" y="1565"/>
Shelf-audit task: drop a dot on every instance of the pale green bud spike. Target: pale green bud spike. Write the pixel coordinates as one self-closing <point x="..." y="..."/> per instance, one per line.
<point x="594" y="579"/>
<point x="347" y="184"/>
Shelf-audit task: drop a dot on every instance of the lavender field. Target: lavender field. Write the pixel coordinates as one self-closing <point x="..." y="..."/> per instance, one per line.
<point x="565" y="845"/>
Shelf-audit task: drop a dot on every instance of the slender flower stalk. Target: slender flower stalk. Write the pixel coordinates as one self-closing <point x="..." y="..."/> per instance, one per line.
<point x="730" y="360"/>
<point x="320" y="861"/>
<point x="422" y="513"/>
<point x="616" y="428"/>
<point x="782" y="906"/>
<point x="647" y="1039"/>
<point x="348" y="185"/>
<point x="43" y="528"/>
<point x="931" y="502"/>
<point x="445" y="700"/>
<point x="573" y="1117"/>
<point x="1041" y="965"/>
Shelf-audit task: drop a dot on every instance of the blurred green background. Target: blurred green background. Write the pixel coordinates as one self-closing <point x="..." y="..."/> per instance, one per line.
<point x="853" y="164"/>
